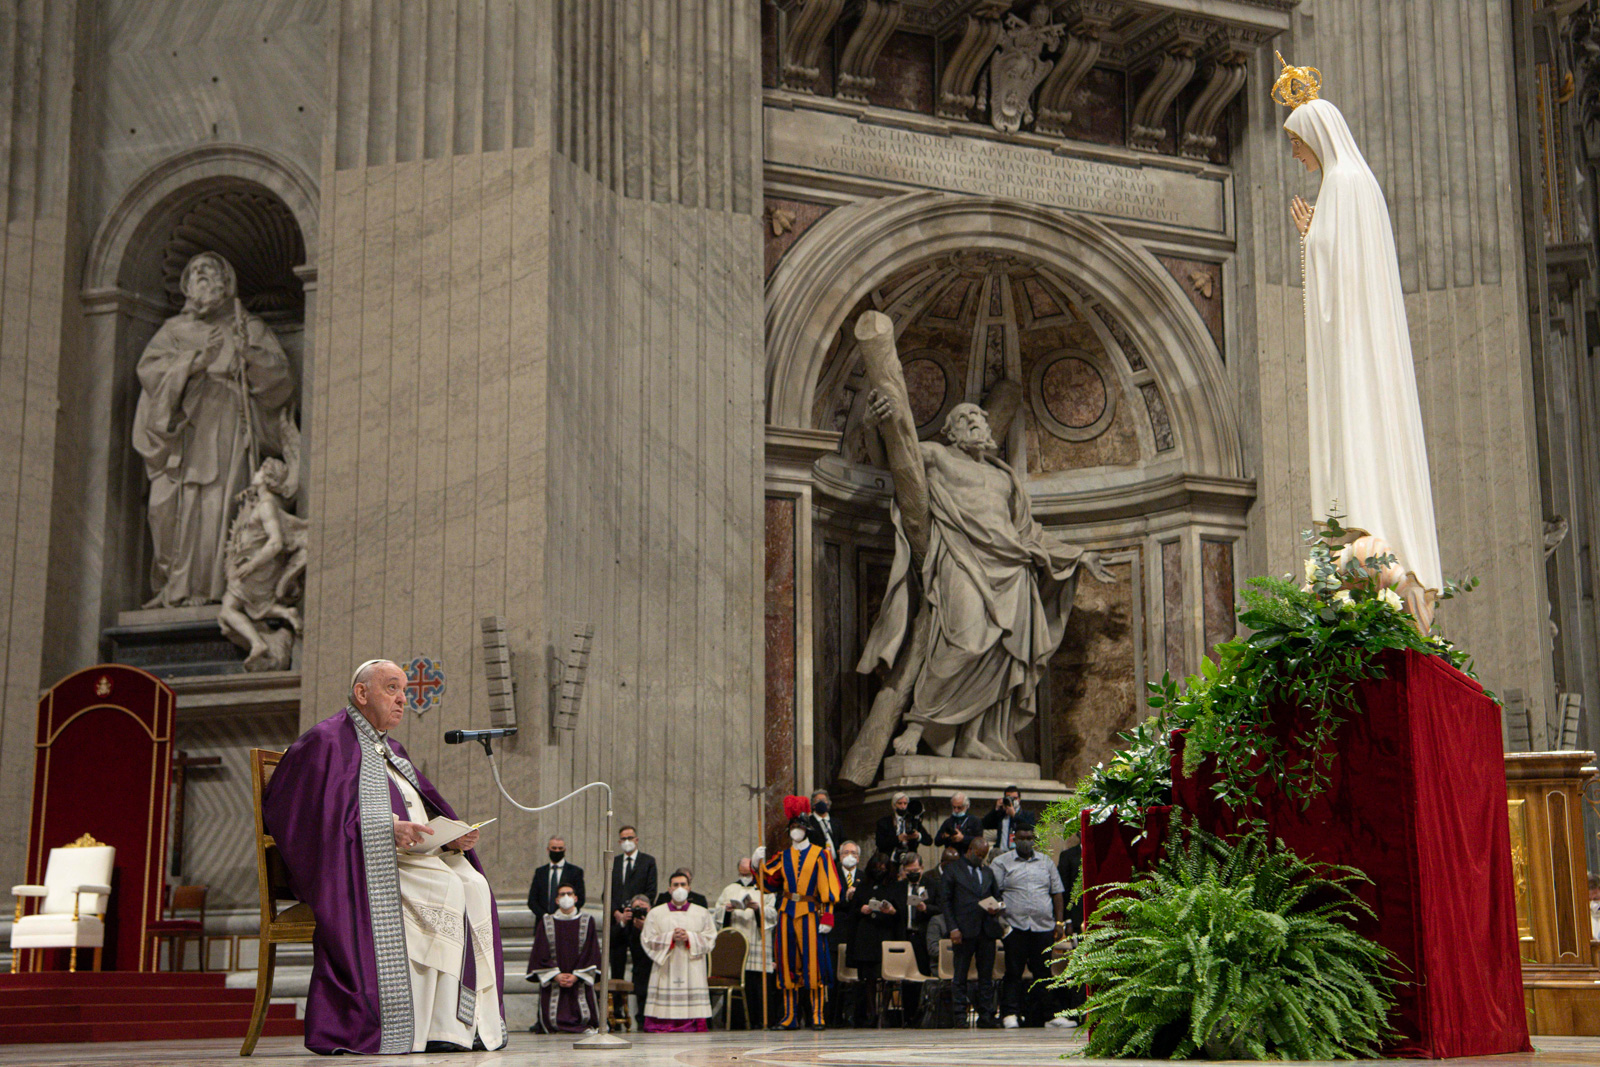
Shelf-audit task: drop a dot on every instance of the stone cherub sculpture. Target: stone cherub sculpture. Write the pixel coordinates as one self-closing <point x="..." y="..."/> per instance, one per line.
<point x="967" y="654"/>
<point x="213" y="381"/>
<point x="266" y="562"/>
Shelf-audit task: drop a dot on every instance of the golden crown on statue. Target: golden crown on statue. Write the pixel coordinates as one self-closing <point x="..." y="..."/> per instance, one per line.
<point x="1296" y="85"/>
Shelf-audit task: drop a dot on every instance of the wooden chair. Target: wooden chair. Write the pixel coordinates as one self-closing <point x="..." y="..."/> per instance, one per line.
<point x="294" y="924"/>
<point x="617" y="1004"/>
<point x="727" y="974"/>
<point x="179" y="931"/>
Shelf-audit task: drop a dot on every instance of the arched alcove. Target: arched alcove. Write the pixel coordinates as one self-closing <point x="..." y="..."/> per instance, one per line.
<point x="257" y="210"/>
<point x="1128" y="441"/>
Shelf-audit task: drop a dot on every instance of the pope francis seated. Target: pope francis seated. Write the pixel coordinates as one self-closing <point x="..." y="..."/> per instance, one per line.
<point x="407" y="949"/>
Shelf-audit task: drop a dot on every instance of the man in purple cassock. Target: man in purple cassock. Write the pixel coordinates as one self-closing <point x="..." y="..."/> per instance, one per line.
<point x="407" y="953"/>
<point x="566" y="964"/>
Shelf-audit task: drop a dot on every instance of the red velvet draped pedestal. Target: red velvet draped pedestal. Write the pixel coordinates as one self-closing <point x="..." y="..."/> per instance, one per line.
<point x="1417" y="801"/>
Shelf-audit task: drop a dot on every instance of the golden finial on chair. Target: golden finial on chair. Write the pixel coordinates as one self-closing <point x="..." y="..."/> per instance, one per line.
<point x="1296" y="85"/>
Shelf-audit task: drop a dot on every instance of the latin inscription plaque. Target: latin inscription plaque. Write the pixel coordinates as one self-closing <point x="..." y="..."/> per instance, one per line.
<point x="843" y="145"/>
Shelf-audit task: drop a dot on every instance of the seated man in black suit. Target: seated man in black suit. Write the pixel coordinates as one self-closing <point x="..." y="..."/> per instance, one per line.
<point x="558" y="872"/>
<point x="974" y="929"/>
<point x="960" y="828"/>
<point x="901" y="830"/>
<point x="694" y="898"/>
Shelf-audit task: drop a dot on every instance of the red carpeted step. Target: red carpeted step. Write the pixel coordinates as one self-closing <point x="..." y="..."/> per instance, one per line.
<point x="89" y="979"/>
<point x="138" y="995"/>
<point x="110" y="1013"/>
<point x="142" y="1031"/>
<point x="129" y="1006"/>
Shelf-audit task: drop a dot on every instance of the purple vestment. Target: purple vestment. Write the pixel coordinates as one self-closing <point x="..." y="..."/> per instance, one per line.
<point x="567" y="946"/>
<point x="312" y="806"/>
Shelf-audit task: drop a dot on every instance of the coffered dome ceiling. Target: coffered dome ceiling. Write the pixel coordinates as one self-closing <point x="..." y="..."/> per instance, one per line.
<point x="969" y="320"/>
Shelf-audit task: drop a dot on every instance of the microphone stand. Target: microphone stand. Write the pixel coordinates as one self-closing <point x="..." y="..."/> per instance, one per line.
<point x="603" y="1038"/>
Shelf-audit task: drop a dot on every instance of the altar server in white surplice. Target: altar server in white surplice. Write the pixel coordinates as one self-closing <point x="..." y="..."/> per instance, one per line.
<point x="679" y="937"/>
<point x="1367" y="448"/>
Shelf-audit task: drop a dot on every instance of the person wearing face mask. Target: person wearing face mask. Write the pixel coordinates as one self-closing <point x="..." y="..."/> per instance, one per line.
<point x="1035" y="900"/>
<point x="741" y="907"/>
<point x="819" y="823"/>
<point x="901" y="830"/>
<point x="852" y="879"/>
<point x="542" y="892"/>
<point x="961" y="827"/>
<point x="633" y="874"/>
<point x="808" y="880"/>
<point x="694" y="897"/>
<point x="878" y="915"/>
<point x="679" y="937"/>
<point x="565" y="963"/>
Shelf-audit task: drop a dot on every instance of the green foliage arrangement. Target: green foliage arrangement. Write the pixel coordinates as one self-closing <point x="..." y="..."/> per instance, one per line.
<point x="1138" y="776"/>
<point x="1309" y="647"/>
<point x="1236" y="951"/>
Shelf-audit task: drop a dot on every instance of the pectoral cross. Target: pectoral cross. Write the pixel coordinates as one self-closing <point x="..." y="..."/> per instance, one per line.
<point x="181" y="762"/>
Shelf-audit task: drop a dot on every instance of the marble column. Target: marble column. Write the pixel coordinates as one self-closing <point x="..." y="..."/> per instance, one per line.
<point x="1424" y="88"/>
<point x="426" y="398"/>
<point x="41" y="60"/>
<point x="655" y="440"/>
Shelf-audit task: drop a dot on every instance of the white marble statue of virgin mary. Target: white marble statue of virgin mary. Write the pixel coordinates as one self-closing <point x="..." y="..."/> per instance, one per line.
<point x="1367" y="447"/>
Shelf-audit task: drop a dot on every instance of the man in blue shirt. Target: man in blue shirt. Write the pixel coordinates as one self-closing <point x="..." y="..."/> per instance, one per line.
<point x="1034" y="898"/>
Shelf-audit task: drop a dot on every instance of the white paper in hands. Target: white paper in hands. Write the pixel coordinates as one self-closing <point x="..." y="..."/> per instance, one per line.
<point x="991" y="905"/>
<point x="445" y="831"/>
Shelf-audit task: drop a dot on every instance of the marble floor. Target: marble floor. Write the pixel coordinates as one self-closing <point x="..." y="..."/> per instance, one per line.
<point x="836" y="1048"/>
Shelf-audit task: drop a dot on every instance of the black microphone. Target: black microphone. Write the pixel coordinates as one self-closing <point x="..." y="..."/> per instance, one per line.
<point x="456" y="737"/>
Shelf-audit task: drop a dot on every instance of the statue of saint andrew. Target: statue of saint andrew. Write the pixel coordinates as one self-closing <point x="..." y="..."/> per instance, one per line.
<point x="996" y="590"/>
<point x="213" y="382"/>
<point x="1367" y="447"/>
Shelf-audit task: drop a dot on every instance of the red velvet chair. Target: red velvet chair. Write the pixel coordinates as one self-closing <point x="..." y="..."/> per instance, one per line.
<point x="181" y="898"/>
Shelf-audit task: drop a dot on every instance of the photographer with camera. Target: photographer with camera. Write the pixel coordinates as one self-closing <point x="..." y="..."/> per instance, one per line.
<point x="626" y="944"/>
<point x="1003" y="819"/>
<point x="901" y="830"/>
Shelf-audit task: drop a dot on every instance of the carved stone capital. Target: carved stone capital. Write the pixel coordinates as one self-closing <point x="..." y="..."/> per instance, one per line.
<point x="809" y="23"/>
<point x="879" y="18"/>
<point x="979" y="36"/>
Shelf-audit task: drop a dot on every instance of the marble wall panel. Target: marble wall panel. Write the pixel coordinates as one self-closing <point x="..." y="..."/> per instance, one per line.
<point x="1172" y="608"/>
<point x="1100" y="108"/>
<point x="780" y="659"/>
<point x="835" y="717"/>
<point x="1092" y="690"/>
<point x="783" y="223"/>
<point x="219" y="817"/>
<point x="907" y="76"/>
<point x="1201" y="282"/>
<point x="1216" y="591"/>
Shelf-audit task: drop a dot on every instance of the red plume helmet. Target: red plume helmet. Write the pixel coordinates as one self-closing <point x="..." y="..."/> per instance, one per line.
<point x="795" y="806"/>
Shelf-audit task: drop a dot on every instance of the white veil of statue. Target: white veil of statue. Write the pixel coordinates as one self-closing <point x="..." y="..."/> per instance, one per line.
<point x="1367" y="447"/>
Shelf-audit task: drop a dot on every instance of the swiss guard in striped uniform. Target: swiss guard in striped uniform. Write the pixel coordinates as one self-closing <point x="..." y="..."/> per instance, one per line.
<point x="805" y="877"/>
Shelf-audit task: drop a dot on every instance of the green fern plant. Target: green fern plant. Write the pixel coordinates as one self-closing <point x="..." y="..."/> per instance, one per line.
<point x="1233" y="951"/>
